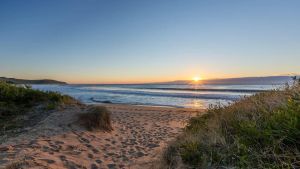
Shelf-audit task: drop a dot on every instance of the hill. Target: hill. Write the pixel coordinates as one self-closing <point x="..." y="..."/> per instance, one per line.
<point x="24" y="81"/>
<point x="268" y="80"/>
<point x="20" y="106"/>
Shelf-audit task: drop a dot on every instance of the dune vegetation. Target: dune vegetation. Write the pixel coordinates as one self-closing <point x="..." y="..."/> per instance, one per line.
<point x="17" y="101"/>
<point x="96" y="118"/>
<point x="261" y="131"/>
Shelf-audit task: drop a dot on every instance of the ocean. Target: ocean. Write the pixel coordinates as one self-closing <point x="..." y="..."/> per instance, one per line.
<point x="174" y="95"/>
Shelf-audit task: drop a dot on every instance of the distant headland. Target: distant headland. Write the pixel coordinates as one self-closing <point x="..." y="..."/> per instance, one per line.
<point x="266" y="80"/>
<point x="26" y="81"/>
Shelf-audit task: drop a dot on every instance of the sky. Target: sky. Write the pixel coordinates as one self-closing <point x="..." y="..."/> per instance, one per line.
<point x="117" y="41"/>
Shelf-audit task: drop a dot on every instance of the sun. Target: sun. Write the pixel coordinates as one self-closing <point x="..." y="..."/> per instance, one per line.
<point x="197" y="78"/>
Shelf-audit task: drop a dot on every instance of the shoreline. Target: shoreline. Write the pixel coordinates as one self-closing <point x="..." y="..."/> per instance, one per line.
<point x="139" y="136"/>
<point x="129" y="104"/>
<point x="146" y="105"/>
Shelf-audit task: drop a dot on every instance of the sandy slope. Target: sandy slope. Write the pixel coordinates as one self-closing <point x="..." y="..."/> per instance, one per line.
<point x="139" y="135"/>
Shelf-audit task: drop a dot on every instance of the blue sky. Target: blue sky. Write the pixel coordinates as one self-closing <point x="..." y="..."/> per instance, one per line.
<point x="115" y="41"/>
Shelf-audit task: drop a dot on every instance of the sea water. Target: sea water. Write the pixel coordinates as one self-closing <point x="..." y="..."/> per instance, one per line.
<point x="183" y="95"/>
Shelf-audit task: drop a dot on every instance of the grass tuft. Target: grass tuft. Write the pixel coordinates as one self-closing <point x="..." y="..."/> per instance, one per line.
<point x="96" y="118"/>
<point x="260" y="131"/>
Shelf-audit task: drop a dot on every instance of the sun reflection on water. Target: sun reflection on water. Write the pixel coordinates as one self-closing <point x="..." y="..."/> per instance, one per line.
<point x="196" y="103"/>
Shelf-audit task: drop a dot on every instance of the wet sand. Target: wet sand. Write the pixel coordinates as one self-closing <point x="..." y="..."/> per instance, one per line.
<point x="139" y="136"/>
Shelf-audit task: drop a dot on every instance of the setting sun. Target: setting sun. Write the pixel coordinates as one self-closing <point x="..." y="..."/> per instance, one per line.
<point x="197" y="78"/>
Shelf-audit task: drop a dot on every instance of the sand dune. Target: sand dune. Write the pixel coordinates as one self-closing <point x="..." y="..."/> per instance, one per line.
<point x="140" y="133"/>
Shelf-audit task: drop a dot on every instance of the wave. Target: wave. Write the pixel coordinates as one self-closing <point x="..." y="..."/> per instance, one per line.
<point x="148" y="95"/>
<point x="224" y="94"/>
<point x="132" y="103"/>
<point x="158" y="94"/>
<point x="212" y="90"/>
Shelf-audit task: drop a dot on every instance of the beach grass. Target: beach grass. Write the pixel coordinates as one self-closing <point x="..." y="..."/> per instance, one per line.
<point x="16" y="101"/>
<point x="96" y="118"/>
<point x="260" y="131"/>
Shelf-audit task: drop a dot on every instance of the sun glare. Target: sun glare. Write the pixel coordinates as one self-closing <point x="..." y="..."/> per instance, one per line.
<point x="197" y="78"/>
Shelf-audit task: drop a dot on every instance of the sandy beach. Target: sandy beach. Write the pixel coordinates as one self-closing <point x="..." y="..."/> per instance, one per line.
<point x="139" y="136"/>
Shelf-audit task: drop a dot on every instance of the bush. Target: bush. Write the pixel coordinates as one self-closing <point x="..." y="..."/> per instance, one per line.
<point x="261" y="131"/>
<point x="96" y="118"/>
<point x="12" y="94"/>
<point x="16" y="100"/>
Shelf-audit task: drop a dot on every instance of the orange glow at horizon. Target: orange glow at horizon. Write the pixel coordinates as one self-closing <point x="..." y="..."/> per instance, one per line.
<point x="131" y="80"/>
<point x="197" y="78"/>
<point x="97" y="78"/>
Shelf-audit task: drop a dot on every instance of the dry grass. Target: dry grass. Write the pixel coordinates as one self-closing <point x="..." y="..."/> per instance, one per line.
<point x="96" y="118"/>
<point x="261" y="131"/>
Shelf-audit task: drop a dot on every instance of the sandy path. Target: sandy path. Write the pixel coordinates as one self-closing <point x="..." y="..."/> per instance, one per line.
<point x="139" y="135"/>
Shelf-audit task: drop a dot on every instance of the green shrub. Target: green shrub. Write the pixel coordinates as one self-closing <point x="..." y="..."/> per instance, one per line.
<point x="261" y="131"/>
<point x="16" y="100"/>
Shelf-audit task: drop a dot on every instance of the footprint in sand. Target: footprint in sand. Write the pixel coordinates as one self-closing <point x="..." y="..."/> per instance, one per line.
<point x="90" y="156"/>
<point x="112" y="166"/>
<point x="48" y="161"/>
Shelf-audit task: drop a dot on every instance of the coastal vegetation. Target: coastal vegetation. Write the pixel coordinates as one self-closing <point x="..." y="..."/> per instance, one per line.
<point x="96" y="118"/>
<point x="22" y="106"/>
<point x="261" y="131"/>
<point x="16" y="102"/>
